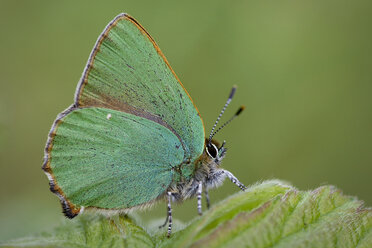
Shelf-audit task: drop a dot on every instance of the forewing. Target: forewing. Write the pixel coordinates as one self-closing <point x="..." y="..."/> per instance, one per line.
<point x="108" y="159"/>
<point x="127" y="72"/>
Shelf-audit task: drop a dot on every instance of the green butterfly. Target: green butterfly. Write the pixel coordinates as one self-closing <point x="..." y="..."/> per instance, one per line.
<point x="133" y="135"/>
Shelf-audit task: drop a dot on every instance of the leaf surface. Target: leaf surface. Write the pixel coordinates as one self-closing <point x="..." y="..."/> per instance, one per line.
<point x="270" y="214"/>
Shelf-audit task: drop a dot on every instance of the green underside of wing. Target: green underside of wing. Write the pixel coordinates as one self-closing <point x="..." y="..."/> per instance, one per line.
<point x="128" y="71"/>
<point x="110" y="159"/>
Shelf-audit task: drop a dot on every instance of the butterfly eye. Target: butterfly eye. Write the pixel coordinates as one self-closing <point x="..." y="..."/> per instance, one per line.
<point x="212" y="150"/>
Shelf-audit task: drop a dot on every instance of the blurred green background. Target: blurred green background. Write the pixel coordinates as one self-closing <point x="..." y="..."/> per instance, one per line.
<point x="303" y="68"/>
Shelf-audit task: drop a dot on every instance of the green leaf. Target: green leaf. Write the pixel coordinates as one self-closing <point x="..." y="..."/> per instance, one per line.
<point x="90" y="231"/>
<point x="270" y="214"/>
<point x="277" y="215"/>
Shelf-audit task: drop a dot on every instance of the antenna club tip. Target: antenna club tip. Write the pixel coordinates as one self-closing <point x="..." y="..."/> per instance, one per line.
<point x="232" y="93"/>
<point x="240" y="110"/>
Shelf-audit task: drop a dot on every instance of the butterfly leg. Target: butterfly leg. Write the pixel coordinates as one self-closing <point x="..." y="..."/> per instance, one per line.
<point x="166" y="220"/>
<point x="234" y="180"/>
<point x="169" y="195"/>
<point x="199" y="196"/>
<point x="207" y="198"/>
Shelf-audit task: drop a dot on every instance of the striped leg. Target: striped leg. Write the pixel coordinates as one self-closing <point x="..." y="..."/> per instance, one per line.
<point x="169" y="194"/>
<point x="234" y="180"/>
<point x="166" y="220"/>
<point x="207" y="198"/>
<point x="199" y="196"/>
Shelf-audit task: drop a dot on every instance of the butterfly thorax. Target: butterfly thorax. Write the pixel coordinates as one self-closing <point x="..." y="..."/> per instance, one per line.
<point x="206" y="169"/>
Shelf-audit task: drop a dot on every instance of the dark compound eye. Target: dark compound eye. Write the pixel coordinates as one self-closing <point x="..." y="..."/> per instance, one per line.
<point x="212" y="150"/>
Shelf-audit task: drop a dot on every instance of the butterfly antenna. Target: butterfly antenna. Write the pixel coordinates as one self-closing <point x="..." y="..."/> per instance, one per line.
<point x="227" y="122"/>
<point x="232" y="93"/>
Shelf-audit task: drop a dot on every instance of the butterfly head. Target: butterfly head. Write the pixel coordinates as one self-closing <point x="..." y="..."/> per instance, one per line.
<point x="212" y="147"/>
<point x="215" y="151"/>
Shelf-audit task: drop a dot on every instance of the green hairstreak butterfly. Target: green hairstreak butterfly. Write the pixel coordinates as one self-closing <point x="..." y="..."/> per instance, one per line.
<point x="133" y="135"/>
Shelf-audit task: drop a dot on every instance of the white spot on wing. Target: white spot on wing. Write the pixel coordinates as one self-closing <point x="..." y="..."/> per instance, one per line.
<point x="108" y="116"/>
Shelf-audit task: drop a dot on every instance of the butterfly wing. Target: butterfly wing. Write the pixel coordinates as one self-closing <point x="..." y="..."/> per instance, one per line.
<point x="127" y="72"/>
<point x="109" y="159"/>
<point x="132" y="122"/>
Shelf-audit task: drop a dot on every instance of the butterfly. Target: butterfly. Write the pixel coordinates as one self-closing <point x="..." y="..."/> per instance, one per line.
<point x="133" y="135"/>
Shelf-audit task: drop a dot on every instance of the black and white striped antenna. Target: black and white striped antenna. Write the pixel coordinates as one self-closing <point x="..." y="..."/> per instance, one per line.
<point x="232" y="93"/>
